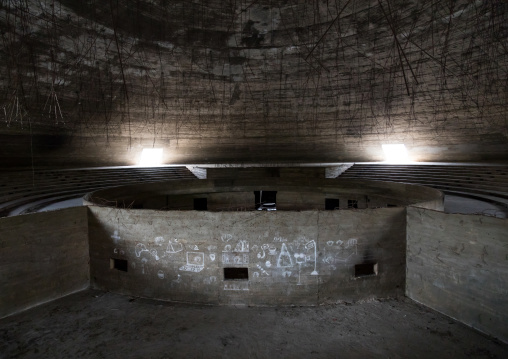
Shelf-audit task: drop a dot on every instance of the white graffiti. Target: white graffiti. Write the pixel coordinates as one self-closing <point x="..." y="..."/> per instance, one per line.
<point x="255" y="275"/>
<point x="140" y="248"/>
<point x="160" y="274"/>
<point x="212" y="257"/>
<point x="195" y="262"/>
<point x="227" y="248"/>
<point x="262" y="270"/>
<point x="235" y="258"/>
<point x="159" y="240"/>
<point x="268" y="264"/>
<point x="153" y="252"/>
<point x="210" y="280"/>
<point x="143" y="261"/>
<point x="272" y="250"/>
<point x="115" y="236"/>
<point x="280" y="239"/>
<point x="115" y="250"/>
<point x="329" y="243"/>
<point x="236" y="286"/>
<point x="242" y="246"/>
<point x="174" y="246"/>
<point x="226" y="237"/>
<point x="312" y="245"/>
<point x="284" y="260"/>
<point x="193" y="247"/>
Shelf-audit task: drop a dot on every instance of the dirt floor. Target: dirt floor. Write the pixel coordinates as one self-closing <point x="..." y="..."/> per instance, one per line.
<point x="95" y="324"/>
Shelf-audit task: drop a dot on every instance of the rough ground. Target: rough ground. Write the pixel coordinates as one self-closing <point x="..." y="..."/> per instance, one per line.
<point x="95" y="324"/>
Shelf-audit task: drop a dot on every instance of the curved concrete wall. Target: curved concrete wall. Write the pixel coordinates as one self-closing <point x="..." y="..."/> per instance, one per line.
<point x="292" y="194"/>
<point x="292" y="258"/>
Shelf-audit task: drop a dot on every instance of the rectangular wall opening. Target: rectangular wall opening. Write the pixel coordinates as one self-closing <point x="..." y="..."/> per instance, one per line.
<point x="200" y="204"/>
<point x="352" y="203"/>
<point x="118" y="264"/>
<point x="365" y="269"/>
<point x="236" y="273"/>
<point x="265" y="200"/>
<point x="331" y="203"/>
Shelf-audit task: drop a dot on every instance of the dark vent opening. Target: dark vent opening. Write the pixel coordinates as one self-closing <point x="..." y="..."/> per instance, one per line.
<point x="265" y="200"/>
<point x="331" y="203"/>
<point x="236" y="273"/>
<point x="352" y="203"/>
<point x="200" y="204"/>
<point x="365" y="269"/>
<point x="119" y="264"/>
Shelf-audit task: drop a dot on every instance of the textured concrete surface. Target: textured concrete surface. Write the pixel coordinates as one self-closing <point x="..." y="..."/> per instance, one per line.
<point x="240" y="81"/>
<point x="95" y="324"/>
<point x="458" y="265"/>
<point x="43" y="256"/>
<point x="306" y="257"/>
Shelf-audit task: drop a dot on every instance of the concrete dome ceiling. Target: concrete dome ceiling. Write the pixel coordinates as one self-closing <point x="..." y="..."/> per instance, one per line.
<point x="93" y="82"/>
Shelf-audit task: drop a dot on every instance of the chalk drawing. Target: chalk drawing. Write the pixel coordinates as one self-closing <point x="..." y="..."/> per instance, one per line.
<point x="115" y="236"/>
<point x="193" y="247"/>
<point x="352" y="242"/>
<point x="212" y="248"/>
<point x="286" y="273"/>
<point x="122" y="252"/>
<point x="284" y="260"/>
<point x="115" y="250"/>
<point x="272" y="250"/>
<point x="262" y="270"/>
<point x="242" y="246"/>
<point x="268" y="264"/>
<point x="300" y="258"/>
<point x="279" y="239"/>
<point x="143" y="261"/>
<point x="174" y="246"/>
<point x="339" y="242"/>
<point x="178" y="279"/>
<point x="264" y="247"/>
<point x="160" y="274"/>
<point x="159" y="241"/>
<point x="310" y="245"/>
<point x="226" y="237"/>
<point x="210" y="280"/>
<point x="212" y="257"/>
<point x="227" y="248"/>
<point x="255" y="275"/>
<point x="238" y="286"/>
<point x="235" y="258"/>
<point x="195" y="262"/>
<point x="153" y="252"/>
<point x="140" y="248"/>
<point x="329" y="243"/>
<point x="254" y="247"/>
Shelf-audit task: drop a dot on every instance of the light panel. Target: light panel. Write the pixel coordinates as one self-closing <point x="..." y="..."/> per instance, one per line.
<point x="396" y="153"/>
<point x="150" y="157"/>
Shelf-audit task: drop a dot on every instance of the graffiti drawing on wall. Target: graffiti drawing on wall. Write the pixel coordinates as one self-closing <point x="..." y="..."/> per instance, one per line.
<point x="242" y="246"/>
<point x="115" y="236"/>
<point x="235" y="258"/>
<point x="236" y="286"/>
<point x="195" y="262"/>
<point x="284" y="260"/>
<point x="174" y="246"/>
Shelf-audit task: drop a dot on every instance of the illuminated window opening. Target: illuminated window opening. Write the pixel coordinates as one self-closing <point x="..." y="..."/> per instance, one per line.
<point x="396" y="153"/>
<point x="151" y="157"/>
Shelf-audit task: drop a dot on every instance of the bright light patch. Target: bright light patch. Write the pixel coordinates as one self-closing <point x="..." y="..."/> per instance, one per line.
<point x="151" y="157"/>
<point x="396" y="153"/>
